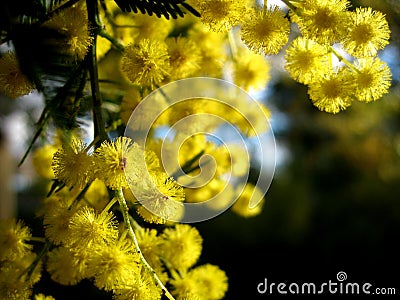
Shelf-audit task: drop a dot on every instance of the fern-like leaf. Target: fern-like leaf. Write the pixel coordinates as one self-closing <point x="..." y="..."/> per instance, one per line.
<point x="166" y="8"/>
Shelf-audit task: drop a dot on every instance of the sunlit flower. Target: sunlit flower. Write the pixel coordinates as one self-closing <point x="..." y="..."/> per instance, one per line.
<point x="306" y="60"/>
<point x="368" y="32"/>
<point x="266" y="31"/>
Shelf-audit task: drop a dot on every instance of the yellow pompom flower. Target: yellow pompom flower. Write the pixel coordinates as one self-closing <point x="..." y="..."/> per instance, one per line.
<point x="118" y="163"/>
<point x="184" y="57"/>
<point x="73" y="23"/>
<point x="151" y="244"/>
<point x="368" y="32"/>
<point x="333" y="93"/>
<point x="13" y="237"/>
<point x="323" y="21"/>
<point x="266" y="31"/>
<point x="182" y="246"/>
<point x="87" y="228"/>
<point x="250" y="70"/>
<point x="306" y="60"/>
<point x="13" y="83"/>
<point x="161" y="197"/>
<point x="372" y="79"/>
<point x="72" y="164"/>
<point x="65" y="266"/>
<point x="114" y="265"/>
<point x="249" y="193"/>
<point x="56" y="220"/>
<point x="146" y="63"/>
<point x="221" y="15"/>
<point x="142" y="287"/>
<point x="206" y="282"/>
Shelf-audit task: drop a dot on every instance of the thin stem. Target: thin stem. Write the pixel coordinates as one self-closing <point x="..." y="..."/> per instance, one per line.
<point x="109" y="205"/>
<point x="99" y="128"/>
<point x="29" y="270"/>
<point x="103" y="33"/>
<point x="124" y="209"/>
<point x="342" y="59"/>
<point x="290" y="5"/>
<point x="37" y="239"/>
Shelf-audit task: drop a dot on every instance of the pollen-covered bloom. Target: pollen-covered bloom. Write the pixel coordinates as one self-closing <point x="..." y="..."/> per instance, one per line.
<point x="306" y="60"/>
<point x="13" y="83"/>
<point x="203" y="282"/>
<point x="72" y="164"/>
<point x="182" y="246"/>
<point x="146" y="63"/>
<point x="161" y="198"/>
<point x="221" y="15"/>
<point x="368" y="32"/>
<point x="13" y="238"/>
<point x="266" y="31"/>
<point x="321" y="20"/>
<point x="119" y="163"/>
<point x="88" y="228"/>
<point x="333" y="93"/>
<point x="184" y="57"/>
<point x="372" y="79"/>
<point x="250" y="70"/>
<point x="74" y="25"/>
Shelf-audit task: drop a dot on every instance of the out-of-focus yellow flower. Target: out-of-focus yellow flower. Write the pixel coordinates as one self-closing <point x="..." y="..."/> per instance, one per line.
<point x="13" y="237"/>
<point x="250" y="193"/>
<point x="13" y="83"/>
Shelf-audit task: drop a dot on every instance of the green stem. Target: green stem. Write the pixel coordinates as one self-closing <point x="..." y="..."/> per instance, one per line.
<point x="99" y="128"/>
<point x="342" y="59"/>
<point x="124" y="209"/>
<point x="103" y="33"/>
<point x="29" y="270"/>
<point x="290" y="5"/>
<point x="109" y="205"/>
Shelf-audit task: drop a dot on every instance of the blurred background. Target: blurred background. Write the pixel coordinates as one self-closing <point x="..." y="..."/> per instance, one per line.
<point x="334" y="203"/>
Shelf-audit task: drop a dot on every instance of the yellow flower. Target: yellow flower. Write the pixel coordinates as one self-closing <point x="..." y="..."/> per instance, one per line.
<point x="13" y="238"/>
<point x="66" y="266"/>
<point x="266" y="31"/>
<point x="182" y="246"/>
<point x="13" y="83"/>
<point x="333" y="93"/>
<point x="368" y="32"/>
<point x="221" y="15"/>
<point x="86" y="229"/>
<point x="323" y="21"/>
<point x="114" y="265"/>
<point x="212" y="51"/>
<point x="160" y="197"/>
<point x="42" y="158"/>
<point x="146" y="63"/>
<point x="73" y="23"/>
<point x="131" y="28"/>
<point x="249" y="193"/>
<point x="141" y="287"/>
<point x="184" y="57"/>
<point x="206" y="282"/>
<point x="306" y="60"/>
<point x="118" y="163"/>
<point x="372" y="79"/>
<point x="72" y="165"/>
<point x="250" y="70"/>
